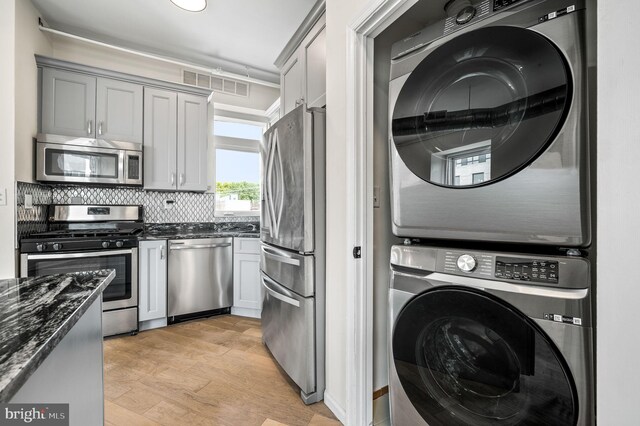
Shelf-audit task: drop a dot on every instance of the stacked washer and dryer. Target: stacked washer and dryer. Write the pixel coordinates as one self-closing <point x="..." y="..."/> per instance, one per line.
<point x="491" y="299"/>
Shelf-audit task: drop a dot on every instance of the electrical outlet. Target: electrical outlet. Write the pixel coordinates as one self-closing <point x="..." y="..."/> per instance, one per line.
<point x="28" y="201"/>
<point x="3" y="196"/>
<point x="168" y="204"/>
<point x="376" y="197"/>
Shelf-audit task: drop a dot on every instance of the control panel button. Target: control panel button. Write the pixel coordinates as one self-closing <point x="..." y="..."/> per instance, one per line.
<point x="41" y="247"/>
<point x="466" y="263"/>
<point x="105" y="244"/>
<point x="57" y="246"/>
<point x="465" y="15"/>
<point x="119" y="244"/>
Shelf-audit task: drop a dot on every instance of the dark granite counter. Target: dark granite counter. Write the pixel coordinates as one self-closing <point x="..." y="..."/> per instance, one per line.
<point x="180" y="231"/>
<point x="35" y="314"/>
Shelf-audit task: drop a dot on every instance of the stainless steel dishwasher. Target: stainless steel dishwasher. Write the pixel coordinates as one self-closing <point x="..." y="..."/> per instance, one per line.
<point x="200" y="277"/>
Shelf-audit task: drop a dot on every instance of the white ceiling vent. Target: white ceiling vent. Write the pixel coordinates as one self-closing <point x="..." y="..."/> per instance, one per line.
<point x="215" y="83"/>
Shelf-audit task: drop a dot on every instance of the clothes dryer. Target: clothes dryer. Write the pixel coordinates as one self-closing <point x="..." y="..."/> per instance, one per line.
<point x="489" y="339"/>
<point x="489" y="131"/>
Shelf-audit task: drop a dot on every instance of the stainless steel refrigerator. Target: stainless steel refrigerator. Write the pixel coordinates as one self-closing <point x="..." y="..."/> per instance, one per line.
<point x="292" y="231"/>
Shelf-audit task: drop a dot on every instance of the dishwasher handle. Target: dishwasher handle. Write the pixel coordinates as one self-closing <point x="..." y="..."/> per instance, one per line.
<point x="277" y="294"/>
<point x="198" y="246"/>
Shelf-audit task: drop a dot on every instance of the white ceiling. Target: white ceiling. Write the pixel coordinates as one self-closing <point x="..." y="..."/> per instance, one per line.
<point x="230" y="34"/>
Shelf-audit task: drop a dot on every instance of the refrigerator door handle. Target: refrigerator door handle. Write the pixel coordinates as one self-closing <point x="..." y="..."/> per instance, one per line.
<point x="268" y="182"/>
<point x="271" y="254"/>
<point x="278" y="295"/>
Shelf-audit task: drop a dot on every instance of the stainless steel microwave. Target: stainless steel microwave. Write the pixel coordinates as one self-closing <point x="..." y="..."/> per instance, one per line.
<point x="88" y="161"/>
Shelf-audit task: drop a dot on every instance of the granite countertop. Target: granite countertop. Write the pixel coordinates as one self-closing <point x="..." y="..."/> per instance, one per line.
<point x="180" y="231"/>
<point x="35" y="314"/>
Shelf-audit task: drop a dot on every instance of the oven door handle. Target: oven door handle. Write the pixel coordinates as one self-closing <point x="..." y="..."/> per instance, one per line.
<point x="77" y="255"/>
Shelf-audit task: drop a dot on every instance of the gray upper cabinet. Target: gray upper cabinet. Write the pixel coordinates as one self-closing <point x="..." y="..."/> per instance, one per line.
<point x="119" y="111"/>
<point x="81" y="105"/>
<point x="160" y="139"/>
<point x="291" y="84"/>
<point x="175" y="141"/>
<point x="303" y="74"/>
<point x="68" y="103"/>
<point x="316" y="72"/>
<point x="192" y="142"/>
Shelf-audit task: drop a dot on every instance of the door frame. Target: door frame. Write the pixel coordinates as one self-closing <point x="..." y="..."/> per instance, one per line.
<point x="375" y="17"/>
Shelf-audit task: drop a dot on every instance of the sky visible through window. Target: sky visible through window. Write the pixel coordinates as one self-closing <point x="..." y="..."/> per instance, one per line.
<point x="237" y="166"/>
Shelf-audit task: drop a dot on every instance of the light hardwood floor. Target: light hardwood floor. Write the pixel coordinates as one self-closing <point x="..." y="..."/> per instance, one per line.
<point x="214" y="371"/>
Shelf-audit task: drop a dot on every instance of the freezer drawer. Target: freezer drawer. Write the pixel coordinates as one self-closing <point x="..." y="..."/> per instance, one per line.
<point x="294" y="271"/>
<point x="288" y="329"/>
<point x="200" y="275"/>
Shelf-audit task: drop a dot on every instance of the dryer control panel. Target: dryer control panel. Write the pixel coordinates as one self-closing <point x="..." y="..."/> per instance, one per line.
<point x="512" y="268"/>
<point x="500" y="4"/>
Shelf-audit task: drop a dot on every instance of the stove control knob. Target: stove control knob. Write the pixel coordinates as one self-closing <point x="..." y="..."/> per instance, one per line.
<point x="465" y="15"/>
<point x="41" y="247"/>
<point x="119" y="244"/>
<point x="466" y="263"/>
<point x="57" y="246"/>
<point x="105" y="244"/>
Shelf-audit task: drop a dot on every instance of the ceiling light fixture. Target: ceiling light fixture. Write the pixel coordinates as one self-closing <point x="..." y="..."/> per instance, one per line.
<point x="191" y="5"/>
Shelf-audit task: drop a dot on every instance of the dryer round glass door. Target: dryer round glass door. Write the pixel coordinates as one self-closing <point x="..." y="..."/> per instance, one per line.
<point x="464" y="357"/>
<point x="481" y="106"/>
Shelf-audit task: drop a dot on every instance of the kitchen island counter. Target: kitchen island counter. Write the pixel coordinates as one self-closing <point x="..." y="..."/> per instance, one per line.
<point x="36" y="313"/>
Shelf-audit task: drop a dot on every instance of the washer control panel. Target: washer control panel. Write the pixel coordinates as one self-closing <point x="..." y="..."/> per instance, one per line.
<point x="513" y="268"/>
<point x="468" y="263"/>
<point x="500" y="4"/>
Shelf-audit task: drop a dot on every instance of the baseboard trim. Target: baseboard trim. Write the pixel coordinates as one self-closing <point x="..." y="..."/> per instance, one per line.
<point x="151" y="324"/>
<point x="335" y="408"/>
<point x="381" y="414"/>
<point x="246" y="312"/>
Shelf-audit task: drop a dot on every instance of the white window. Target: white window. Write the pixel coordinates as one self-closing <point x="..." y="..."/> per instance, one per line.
<point x="237" y="167"/>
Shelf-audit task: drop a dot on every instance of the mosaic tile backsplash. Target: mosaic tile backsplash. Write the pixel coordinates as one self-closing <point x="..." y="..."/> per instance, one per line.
<point x="183" y="207"/>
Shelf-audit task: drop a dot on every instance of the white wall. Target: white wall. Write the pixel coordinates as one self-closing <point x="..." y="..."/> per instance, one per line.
<point x="7" y="134"/>
<point x="618" y="230"/>
<point x="29" y="40"/>
<point x="260" y="97"/>
<point x="339" y="15"/>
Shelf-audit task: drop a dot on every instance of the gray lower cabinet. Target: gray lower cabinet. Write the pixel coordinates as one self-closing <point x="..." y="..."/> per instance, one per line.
<point x="175" y="141"/>
<point x="247" y="288"/>
<point x="71" y="373"/>
<point x="82" y="105"/>
<point x="152" y="305"/>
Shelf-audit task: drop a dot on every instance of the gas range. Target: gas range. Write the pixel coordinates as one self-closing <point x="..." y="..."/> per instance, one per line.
<point x="87" y="238"/>
<point x="82" y="228"/>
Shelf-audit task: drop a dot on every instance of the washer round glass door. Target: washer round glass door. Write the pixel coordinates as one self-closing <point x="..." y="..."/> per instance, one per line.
<point x="481" y="107"/>
<point x="464" y="357"/>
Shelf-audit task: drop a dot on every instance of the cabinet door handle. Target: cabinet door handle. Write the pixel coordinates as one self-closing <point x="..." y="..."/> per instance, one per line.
<point x="100" y="128"/>
<point x="89" y="125"/>
<point x="173" y="179"/>
<point x="181" y="179"/>
<point x="162" y="253"/>
<point x="299" y="101"/>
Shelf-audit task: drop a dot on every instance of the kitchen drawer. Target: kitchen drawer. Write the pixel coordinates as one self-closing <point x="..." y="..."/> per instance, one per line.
<point x="246" y="245"/>
<point x="288" y="330"/>
<point x="292" y="270"/>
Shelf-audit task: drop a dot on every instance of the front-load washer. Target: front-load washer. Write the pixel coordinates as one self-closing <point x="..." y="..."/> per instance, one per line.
<point x="489" y="135"/>
<point x="489" y="339"/>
